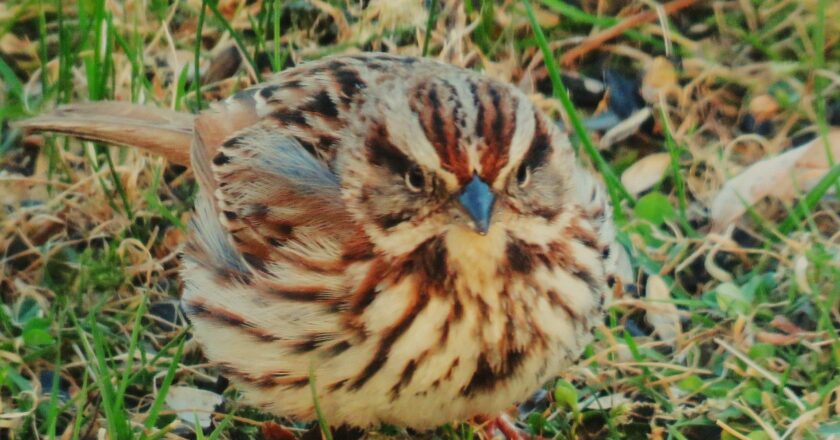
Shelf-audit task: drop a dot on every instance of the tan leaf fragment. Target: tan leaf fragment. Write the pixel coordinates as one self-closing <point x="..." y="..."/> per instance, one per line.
<point x="782" y="177"/>
<point x="660" y="80"/>
<point x="800" y="270"/>
<point x="661" y="313"/>
<point x="764" y="107"/>
<point x="625" y="128"/>
<point x="193" y="404"/>
<point x="645" y="173"/>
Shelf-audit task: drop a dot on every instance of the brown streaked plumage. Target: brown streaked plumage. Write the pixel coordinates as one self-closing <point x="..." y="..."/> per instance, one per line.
<point x="415" y="235"/>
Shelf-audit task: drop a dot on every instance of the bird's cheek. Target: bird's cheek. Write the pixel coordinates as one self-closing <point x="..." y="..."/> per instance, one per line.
<point x="455" y="216"/>
<point x="508" y="208"/>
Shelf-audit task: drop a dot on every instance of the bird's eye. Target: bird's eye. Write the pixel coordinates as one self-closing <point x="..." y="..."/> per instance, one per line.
<point x="414" y="179"/>
<point x="523" y="176"/>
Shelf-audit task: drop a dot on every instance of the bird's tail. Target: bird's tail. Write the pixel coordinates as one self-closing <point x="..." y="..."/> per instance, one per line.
<point x="160" y="131"/>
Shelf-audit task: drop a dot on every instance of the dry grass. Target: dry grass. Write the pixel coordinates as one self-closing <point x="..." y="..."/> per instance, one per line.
<point x="731" y="329"/>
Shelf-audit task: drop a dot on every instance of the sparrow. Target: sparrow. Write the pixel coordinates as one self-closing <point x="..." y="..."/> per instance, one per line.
<point x="400" y="240"/>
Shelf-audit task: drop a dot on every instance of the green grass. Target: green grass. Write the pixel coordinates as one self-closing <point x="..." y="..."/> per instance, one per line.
<point x="89" y="233"/>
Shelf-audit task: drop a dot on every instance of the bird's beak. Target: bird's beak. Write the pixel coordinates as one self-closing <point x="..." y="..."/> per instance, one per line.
<point x="477" y="199"/>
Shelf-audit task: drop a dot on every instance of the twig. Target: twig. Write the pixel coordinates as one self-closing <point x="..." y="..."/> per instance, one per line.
<point x="595" y="41"/>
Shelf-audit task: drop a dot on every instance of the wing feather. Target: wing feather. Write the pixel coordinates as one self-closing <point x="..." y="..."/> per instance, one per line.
<point x="278" y="202"/>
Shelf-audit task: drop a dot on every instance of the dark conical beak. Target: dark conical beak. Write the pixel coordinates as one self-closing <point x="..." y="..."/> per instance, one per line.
<point x="477" y="199"/>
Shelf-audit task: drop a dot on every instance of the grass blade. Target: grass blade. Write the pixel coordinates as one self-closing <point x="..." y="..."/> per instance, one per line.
<point x="614" y="186"/>
<point x="197" y="57"/>
<point x="157" y="405"/>
<point x="322" y="421"/>
<point x="807" y="203"/>
<point x="430" y="23"/>
<point x="243" y="48"/>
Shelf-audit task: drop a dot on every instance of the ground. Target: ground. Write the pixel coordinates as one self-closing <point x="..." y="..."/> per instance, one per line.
<point x="689" y="111"/>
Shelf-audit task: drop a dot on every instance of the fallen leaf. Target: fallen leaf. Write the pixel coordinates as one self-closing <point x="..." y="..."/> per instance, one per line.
<point x="800" y="269"/>
<point x="223" y="65"/>
<point x="625" y="128"/>
<point x="764" y="107"/>
<point x="645" y="173"/>
<point x="782" y="177"/>
<point x="776" y="338"/>
<point x="624" y="267"/>
<point x="274" y="431"/>
<point x="660" y="80"/>
<point x="782" y="323"/>
<point x="193" y="404"/>
<point x="661" y="313"/>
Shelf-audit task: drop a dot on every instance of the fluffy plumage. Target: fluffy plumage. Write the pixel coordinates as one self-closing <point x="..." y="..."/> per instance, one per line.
<point x="329" y="240"/>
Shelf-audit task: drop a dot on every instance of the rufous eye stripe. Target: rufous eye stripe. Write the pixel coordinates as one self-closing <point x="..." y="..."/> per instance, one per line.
<point x="438" y="108"/>
<point x="495" y="125"/>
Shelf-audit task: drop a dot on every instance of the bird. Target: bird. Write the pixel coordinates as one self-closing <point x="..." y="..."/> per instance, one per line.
<point x="395" y="239"/>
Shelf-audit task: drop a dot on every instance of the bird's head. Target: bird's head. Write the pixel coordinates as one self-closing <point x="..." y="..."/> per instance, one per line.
<point x="458" y="155"/>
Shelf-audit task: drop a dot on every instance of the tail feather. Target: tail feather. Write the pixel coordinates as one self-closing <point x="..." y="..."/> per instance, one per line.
<point x="160" y="131"/>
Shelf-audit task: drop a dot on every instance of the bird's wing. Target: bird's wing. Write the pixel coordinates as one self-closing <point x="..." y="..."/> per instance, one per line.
<point x="273" y="195"/>
<point x="279" y="204"/>
<point x="265" y="267"/>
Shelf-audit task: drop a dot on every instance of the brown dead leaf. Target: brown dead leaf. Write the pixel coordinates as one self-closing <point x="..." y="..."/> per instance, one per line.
<point x="223" y="65"/>
<point x="776" y="338"/>
<point x="780" y="322"/>
<point x="274" y="431"/>
<point x="645" y="173"/>
<point x="764" y="107"/>
<point x="782" y="177"/>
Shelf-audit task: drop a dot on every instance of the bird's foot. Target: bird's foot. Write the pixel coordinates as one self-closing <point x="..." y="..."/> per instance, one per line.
<point x="505" y="425"/>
